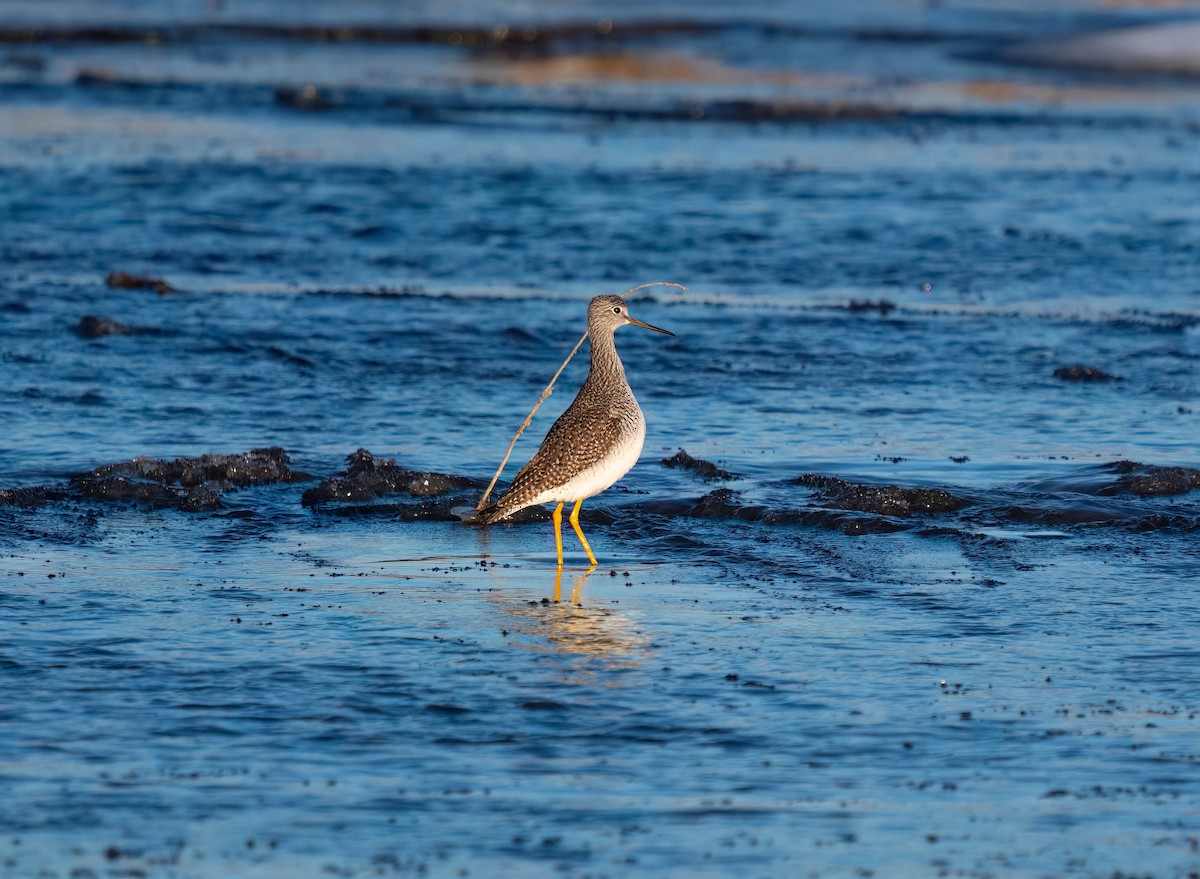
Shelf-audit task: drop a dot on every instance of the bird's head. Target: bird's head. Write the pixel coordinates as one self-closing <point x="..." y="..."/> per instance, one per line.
<point x="609" y="312"/>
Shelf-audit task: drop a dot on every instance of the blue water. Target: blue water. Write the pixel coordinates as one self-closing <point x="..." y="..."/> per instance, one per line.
<point x="761" y="678"/>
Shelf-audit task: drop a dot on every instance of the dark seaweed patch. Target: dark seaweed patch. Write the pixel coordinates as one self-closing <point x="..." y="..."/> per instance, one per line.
<point x="92" y="327"/>
<point x="420" y="106"/>
<point x="883" y="306"/>
<point x="189" y="484"/>
<point x="30" y="497"/>
<point x="1150" y="480"/>
<point x="1079" y="373"/>
<point x="721" y="504"/>
<point x="1131" y="478"/>
<point x="724" y="503"/>
<point x="472" y="37"/>
<point x="127" y="281"/>
<point x="190" y="499"/>
<point x="256" y="467"/>
<point x="704" y="469"/>
<point x="884" y="500"/>
<point x="367" y="477"/>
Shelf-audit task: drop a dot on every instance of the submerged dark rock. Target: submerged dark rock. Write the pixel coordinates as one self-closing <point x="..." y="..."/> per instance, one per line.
<point x="1150" y="480"/>
<point x="189" y="484"/>
<point x="704" y="469"/>
<point x="137" y="282"/>
<point x="367" y="477"/>
<point x="92" y="327"/>
<point x="884" y="500"/>
<point x="1078" y="373"/>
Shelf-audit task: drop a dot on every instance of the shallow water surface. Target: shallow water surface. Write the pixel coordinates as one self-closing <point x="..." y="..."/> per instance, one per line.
<point x="932" y="612"/>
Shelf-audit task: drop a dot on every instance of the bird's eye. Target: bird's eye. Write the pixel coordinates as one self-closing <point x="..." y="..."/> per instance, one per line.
<point x="616" y="309"/>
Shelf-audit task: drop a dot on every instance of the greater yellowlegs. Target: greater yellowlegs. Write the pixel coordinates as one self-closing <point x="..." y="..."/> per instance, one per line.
<point x="594" y="443"/>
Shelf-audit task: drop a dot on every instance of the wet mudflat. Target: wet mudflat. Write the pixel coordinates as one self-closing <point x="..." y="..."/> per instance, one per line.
<point x="904" y="584"/>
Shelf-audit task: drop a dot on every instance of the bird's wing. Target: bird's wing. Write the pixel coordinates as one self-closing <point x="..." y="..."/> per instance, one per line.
<point x="578" y="440"/>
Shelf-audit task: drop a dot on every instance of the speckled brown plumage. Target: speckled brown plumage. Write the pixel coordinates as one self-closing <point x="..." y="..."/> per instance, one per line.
<point x="599" y="434"/>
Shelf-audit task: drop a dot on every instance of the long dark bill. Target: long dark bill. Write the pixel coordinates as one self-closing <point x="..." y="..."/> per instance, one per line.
<point x="643" y="325"/>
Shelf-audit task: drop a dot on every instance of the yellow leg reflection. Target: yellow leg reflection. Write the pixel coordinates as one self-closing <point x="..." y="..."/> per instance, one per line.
<point x="557" y="517"/>
<point x="576" y="587"/>
<point x="579" y="533"/>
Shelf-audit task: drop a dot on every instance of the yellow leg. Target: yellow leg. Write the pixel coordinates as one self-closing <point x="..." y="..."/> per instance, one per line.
<point x="579" y="532"/>
<point x="558" y="586"/>
<point x="557" y="517"/>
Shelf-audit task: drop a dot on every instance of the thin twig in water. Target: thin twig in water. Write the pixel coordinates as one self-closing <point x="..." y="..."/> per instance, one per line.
<point x="546" y="393"/>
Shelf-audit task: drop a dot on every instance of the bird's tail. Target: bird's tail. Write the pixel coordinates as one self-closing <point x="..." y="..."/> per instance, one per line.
<point x="489" y="515"/>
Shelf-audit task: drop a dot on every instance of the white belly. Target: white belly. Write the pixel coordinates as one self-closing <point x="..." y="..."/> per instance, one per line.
<point x="595" y="479"/>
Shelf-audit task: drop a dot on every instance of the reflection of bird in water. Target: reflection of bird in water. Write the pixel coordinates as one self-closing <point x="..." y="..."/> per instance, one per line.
<point x="576" y="588"/>
<point x="594" y="443"/>
<point x="569" y="628"/>
<point x="556" y="627"/>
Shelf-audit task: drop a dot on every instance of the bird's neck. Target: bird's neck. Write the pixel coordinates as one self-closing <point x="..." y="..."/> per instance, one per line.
<point x="605" y="362"/>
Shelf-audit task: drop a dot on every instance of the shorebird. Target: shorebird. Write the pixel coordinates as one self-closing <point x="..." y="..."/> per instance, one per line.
<point x="591" y="445"/>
